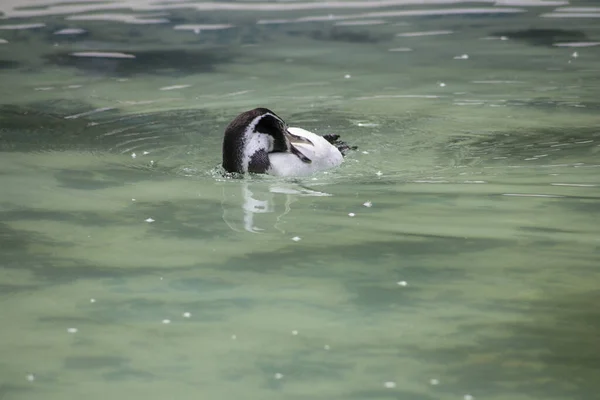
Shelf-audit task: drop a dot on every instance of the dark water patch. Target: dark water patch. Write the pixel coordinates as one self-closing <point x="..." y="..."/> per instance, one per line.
<point x="589" y="206"/>
<point x="142" y="310"/>
<point x="25" y="128"/>
<point x="9" y="64"/>
<point x="8" y="289"/>
<point x="45" y="115"/>
<point x="304" y="366"/>
<point x="95" y="362"/>
<point x="541" y="229"/>
<point x="60" y="108"/>
<point x="200" y="285"/>
<point x="219" y="309"/>
<point x="67" y="125"/>
<point x="12" y="240"/>
<point x="404" y="254"/>
<point x="15" y="245"/>
<point x="83" y="218"/>
<point x="544" y="37"/>
<point x="171" y="62"/>
<point x="103" y="178"/>
<point x="129" y="374"/>
<point x="130" y="311"/>
<point x="316" y="118"/>
<point x="136" y="306"/>
<point x="377" y="293"/>
<point x="377" y="298"/>
<point x="84" y="180"/>
<point x="397" y="394"/>
<point x="58" y="4"/>
<point x="551" y="105"/>
<point x="347" y="35"/>
<point x="253" y="34"/>
<point x="62" y="320"/>
<point x="162" y="133"/>
<point x="528" y="143"/>
<point x="185" y="219"/>
<point x="553" y="353"/>
<point x="430" y="275"/>
<point x="9" y="391"/>
<point x="48" y="268"/>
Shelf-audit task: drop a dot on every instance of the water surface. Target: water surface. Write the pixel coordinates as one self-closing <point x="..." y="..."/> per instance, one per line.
<point x="454" y="255"/>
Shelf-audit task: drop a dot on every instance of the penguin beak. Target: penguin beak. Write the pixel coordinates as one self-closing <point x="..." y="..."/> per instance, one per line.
<point x="298" y="139"/>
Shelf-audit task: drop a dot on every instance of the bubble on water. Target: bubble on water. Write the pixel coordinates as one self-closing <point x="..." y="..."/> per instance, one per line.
<point x="326" y="347"/>
<point x="442" y="84"/>
<point x="294" y="332"/>
<point x="133" y="155"/>
<point x="351" y="214"/>
<point x="278" y="375"/>
<point x="296" y="238"/>
<point x="468" y="397"/>
<point x="434" y="381"/>
<point x="92" y="300"/>
<point x="187" y="315"/>
<point x="30" y="377"/>
<point x="389" y="385"/>
<point x="149" y="220"/>
<point x="72" y="330"/>
<point x="132" y="199"/>
<point x="146" y="153"/>
<point x="368" y="204"/>
<point x="233" y="337"/>
<point x="347" y="76"/>
<point x="402" y="283"/>
<point x="462" y="57"/>
<point x="166" y="321"/>
<point x="379" y="173"/>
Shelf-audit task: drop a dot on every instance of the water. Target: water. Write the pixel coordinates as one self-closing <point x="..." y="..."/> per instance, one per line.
<point x="453" y="256"/>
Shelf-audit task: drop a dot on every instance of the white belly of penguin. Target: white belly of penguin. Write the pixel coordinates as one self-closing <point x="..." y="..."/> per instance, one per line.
<point x="323" y="154"/>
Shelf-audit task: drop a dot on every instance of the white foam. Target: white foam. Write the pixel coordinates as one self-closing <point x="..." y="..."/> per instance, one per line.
<point x="102" y="54"/>
<point x="115" y="17"/>
<point x="197" y="28"/>
<point x="174" y="87"/>
<point x="424" y="33"/>
<point x="22" y="26"/>
<point x="70" y="31"/>
<point x="577" y="44"/>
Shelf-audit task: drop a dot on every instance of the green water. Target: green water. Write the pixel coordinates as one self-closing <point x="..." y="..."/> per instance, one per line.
<point x="454" y="255"/>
